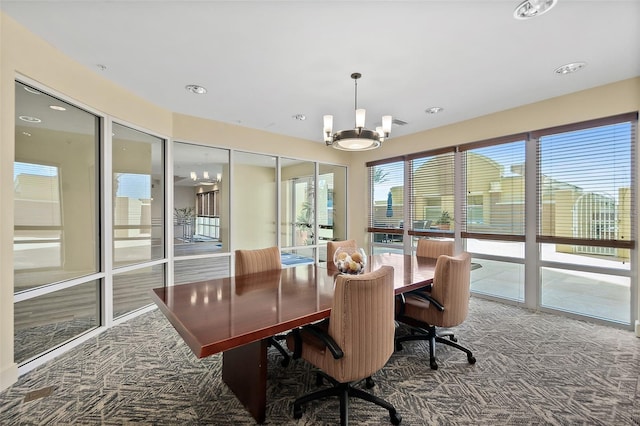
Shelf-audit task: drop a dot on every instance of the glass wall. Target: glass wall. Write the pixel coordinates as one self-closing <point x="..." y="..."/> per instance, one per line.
<point x="254" y="217"/>
<point x="332" y="206"/>
<point x="200" y="199"/>
<point x="56" y="228"/>
<point x="297" y="203"/>
<point x="138" y="196"/>
<point x="69" y="280"/>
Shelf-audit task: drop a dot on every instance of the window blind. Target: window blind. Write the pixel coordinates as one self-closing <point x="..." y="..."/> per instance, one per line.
<point x="494" y="189"/>
<point x="585" y="185"/>
<point x="432" y="194"/>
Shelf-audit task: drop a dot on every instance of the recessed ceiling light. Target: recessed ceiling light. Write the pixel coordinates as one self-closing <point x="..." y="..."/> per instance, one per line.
<point x="531" y="8"/>
<point x="30" y="90"/>
<point x="434" y="110"/>
<point x="29" y="119"/>
<point x="570" y="68"/>
<point x="300" y="117"/>
<point x="194" y="88"/>
<point x="57" y="107"/>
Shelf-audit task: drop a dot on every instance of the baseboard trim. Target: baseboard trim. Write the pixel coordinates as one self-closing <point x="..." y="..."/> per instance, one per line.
<point x="638" y="328"/>
<point x="8" y="376"/>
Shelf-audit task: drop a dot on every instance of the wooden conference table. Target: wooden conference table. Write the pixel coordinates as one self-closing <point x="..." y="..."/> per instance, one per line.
<point x="236" y="315"/>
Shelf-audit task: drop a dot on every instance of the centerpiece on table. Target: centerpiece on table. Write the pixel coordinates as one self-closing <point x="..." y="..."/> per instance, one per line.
<point x="350" y="260"/>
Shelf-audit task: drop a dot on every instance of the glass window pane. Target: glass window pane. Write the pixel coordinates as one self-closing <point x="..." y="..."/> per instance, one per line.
<point x="46" y="321"/>
<point x="495" y="189"/>
<point x="138" y="196"/>
<point x="387" y="194"/>
<point x="254" y="204"/>
<point x="55" y="190"/>
<point x="497" y="278"/>
<point x="194" y="270"/>
<point x="131" y="289"/>
<point x="332" y="205"/>
<point x="200" y="199"/>
<point x="597" y="295"/>
<point x="584" y="183"/>
<point x="297" y="257"/>
<point x="432" y="179"/>
<point x="500" y="279"/>
<point x="605" y="257"/>
<point x="297" y="202"/>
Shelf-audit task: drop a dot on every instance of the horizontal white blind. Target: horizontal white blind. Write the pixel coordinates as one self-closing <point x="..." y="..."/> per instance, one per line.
<point x="494" y="193"/>
<point x="585" y="183"/>
<point x="432" y="195"/>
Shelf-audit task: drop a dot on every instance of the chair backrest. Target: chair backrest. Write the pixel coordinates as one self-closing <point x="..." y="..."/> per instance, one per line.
<point x="332" y="246"/>
<point x="429" y="247"/>
<point x="362" y="323"/>
<point x="260" y="260"/>
<point x="451" y="282"/>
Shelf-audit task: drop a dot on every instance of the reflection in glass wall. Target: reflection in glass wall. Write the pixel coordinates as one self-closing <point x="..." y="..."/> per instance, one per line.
<point x="138" y="196"/>
<point x="131" y="289"/>
<point x="200" y="199"/>
<point x="254" y="201"/>
<point x="55" y="190"/>
<point x="46" y="321"/>
<point x="297" y="202"/>
<point x="56" y="227"/>
<point x="194" y="270"/>
<point x="332" y="205"/>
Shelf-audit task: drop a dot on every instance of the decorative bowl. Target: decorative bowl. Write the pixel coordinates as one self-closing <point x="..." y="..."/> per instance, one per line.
<point x="350" y="260"/>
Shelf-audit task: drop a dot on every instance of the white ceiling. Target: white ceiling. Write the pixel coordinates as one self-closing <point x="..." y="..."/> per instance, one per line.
<point x="265" y="61"/>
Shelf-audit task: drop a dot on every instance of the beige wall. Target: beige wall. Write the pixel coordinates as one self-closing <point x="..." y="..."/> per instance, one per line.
<point x="24" y="54"/>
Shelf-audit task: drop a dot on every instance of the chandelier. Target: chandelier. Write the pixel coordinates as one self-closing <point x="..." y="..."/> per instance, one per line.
<point x="359" y="138"/>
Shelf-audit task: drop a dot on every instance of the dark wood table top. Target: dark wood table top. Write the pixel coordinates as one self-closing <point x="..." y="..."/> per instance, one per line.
<point x="220" y="314"/>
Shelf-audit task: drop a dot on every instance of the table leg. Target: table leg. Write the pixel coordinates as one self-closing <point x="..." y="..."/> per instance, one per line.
<point x="244" y="370"/>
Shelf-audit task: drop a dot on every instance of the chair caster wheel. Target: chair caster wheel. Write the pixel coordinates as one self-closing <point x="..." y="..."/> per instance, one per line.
<point x="297" y="412"/>
<point x="285" y="362"/>
<point x="369" y="383"/>
<point x="471" y="359"/>
<point x="319" y="380"/>
<point x="395" y="418"/>
<point x="398" y="346"/>
<point x="433" y="364"/>
<point x="453" y="339"/>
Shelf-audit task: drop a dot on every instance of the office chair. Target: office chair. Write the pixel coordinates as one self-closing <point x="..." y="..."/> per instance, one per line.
<point x="429" y="247"/>
<point x="261" y="260"/>
<point x="332" y="246"/>
<point x="356" y="342"/>
<point x="446" y="305"/>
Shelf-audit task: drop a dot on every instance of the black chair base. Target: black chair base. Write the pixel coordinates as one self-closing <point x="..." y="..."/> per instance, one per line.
<point x="273" y="341"/>
<point x="344" y="391"/>
<point x="430" y="334"/>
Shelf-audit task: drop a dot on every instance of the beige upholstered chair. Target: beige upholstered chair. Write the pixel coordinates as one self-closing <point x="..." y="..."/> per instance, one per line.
<point x="429" y="247"/>
<point x="332" y="246"/>
<point x="357" y="341"/>
<point x="446" y="305"/>
<point x="261" y="260"/>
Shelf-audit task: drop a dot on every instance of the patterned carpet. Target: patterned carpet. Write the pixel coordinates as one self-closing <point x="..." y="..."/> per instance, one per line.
<point x="532" y="369"/>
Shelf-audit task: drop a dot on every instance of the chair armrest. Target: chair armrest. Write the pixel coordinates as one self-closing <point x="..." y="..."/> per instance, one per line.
<point x="328" y="341"/>
<point x="428" y="298"/>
